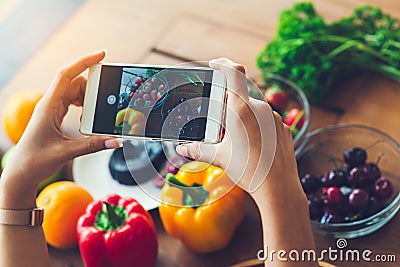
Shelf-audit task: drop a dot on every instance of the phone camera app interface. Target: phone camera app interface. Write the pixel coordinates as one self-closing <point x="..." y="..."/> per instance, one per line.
<point x="111" y="99"/>
<point x="166" y="103"/>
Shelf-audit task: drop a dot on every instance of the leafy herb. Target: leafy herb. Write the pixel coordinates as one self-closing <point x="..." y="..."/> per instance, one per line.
<point x="315" y="54"/>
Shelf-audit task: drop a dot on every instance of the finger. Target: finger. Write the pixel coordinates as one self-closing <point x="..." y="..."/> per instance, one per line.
<point x="90" y="145"/>
<point x="76" y="93"/>
<point x="199" y="151"/>
<point x="236" y="79"/>
<point x="69" y="72"/>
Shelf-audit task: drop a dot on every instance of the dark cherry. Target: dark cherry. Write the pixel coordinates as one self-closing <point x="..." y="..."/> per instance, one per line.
<point x="346" y="170"/>
<point x="173" y="165"/>
<point x="357" y="178"/>
<point x="383" y="188"/>
<point x="371" y="171"/>
<point x="315" y="206"/>
<point x="337" y="178"/>
<point x="332" y="217"/>
<point x="316" y="197"/>
<point x="159" y="181"/>
<point x="344" y="207"/>
<point x="171" y="168"/>
<point x="332" y="197"/>
<point x="375" y="205"/>
<point x="310" y="183"/>
<point x="369" y="189"/>
<point x="325" y="180"/>
<point x="355" y="156"/>
<point x="358" y="199"/>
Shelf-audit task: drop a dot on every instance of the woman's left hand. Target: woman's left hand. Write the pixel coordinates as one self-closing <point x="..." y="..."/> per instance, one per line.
<point x="43" y="148"/>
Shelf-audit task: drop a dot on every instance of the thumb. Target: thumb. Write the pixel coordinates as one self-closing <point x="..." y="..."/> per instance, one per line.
<point x="92" y="144"/>
<point x="198" y="151"/>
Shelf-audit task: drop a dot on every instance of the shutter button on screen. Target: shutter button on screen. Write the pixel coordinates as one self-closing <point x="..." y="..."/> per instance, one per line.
<point x="111" y="99"/>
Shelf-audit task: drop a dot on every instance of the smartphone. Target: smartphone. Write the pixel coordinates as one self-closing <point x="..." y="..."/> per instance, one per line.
<point x="154" y="102"/>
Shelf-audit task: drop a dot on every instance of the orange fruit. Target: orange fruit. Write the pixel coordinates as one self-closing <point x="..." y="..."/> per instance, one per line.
<point x="63" y="202"/>
<point x="18" y="111"/>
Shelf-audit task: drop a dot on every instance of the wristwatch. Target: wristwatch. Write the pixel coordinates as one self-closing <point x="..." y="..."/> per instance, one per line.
<point x="32" y="217"/>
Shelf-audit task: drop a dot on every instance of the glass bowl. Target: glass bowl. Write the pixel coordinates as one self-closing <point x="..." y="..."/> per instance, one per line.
<point x="323" y="145"/>
<point x="296" y="99"/>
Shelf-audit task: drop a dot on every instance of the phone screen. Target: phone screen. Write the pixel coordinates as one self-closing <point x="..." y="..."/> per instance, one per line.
<point x="170" y="103"/>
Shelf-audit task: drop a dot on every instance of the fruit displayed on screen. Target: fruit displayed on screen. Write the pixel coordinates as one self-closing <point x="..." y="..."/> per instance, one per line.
<point x="143" y="92"/>
<point x="169" y="97"/>
<point x="177" y="116"/>
<point x="145" y="89"/>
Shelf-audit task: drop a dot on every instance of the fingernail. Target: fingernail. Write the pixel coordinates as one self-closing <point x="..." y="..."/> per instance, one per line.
<point x="112" y="143"/>
<point x="213" y="64"/>
<point x="182" y="150"/>
<point x="100" y="51"/>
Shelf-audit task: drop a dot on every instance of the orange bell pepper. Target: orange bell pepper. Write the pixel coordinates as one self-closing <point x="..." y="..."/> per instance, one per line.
<point x="201" y="206"/>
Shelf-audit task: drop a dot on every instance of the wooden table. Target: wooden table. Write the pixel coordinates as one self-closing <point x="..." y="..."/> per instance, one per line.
<point x="171" y="32"/>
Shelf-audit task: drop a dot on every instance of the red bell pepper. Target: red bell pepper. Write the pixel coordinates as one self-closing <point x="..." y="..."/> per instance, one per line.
<point x="117" y="232"/>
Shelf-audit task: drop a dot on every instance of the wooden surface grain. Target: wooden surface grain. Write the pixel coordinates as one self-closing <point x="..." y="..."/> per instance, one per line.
<point x="170" y="32"/>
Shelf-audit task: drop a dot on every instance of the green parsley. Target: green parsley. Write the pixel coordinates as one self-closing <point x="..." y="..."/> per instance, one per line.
<point x="315" y="54"/>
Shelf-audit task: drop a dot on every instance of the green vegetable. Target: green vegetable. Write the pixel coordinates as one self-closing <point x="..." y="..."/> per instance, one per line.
<point x="315" y="54"/>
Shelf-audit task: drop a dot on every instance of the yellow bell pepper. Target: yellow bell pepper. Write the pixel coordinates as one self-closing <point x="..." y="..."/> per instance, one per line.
<point x="201" y="206"/>
<point x="134" y="118"/>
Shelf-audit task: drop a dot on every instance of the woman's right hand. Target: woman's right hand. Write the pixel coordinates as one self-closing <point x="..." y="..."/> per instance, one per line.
<point x="257" y="153"/>
<point x="257" y="146"/>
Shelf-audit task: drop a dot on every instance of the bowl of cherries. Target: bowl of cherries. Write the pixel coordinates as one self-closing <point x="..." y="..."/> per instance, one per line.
<point x="351" y="176"/>
<point x="287" y="99"/>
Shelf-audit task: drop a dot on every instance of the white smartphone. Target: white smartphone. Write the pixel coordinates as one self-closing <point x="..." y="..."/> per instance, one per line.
<point x="154" y="102"/>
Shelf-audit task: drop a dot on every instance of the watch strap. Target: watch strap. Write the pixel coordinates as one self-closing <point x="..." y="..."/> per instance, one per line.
<point x="31" y="217"/>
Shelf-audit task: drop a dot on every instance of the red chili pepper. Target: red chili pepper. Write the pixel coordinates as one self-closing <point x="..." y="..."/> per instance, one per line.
<point x="117" y="232"/>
